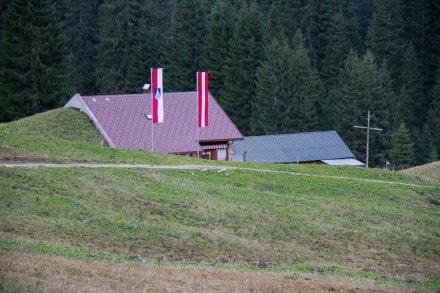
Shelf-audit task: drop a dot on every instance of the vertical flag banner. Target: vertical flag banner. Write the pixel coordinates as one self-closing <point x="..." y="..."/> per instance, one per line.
<point x="202" y="93"/>
<point x="157" y="95"/>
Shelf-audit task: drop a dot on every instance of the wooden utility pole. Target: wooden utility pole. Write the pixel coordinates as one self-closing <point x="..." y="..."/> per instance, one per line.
<point x="368" y="137"/>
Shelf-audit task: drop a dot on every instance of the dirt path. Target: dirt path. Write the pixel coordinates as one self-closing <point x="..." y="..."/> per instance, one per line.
<point x="195" y="167"/>
<point x="97" y="165"/>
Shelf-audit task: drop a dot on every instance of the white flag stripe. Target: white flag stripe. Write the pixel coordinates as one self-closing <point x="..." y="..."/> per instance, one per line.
<point x="160" y="85"/>
<point x="203" y="108"/>
<point x="202" y="98"/>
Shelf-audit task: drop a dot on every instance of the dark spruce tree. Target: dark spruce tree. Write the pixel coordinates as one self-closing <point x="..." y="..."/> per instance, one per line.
<point x="184" y="48"/>
<point x="336" y="50"/>
<point x="217" y="44"/>
<point x="329" y="104"/>
<point x="140" y="61"/>
<point x="402" y="150"/>
<point x="32" y="60"/>
<point x="433" y="119"/>
<point x="118" y="24"/>
<point x="364" y="87"/>
<point x="273" y="80"/>
<point x="413" y="14"/>
<point x="307" y="91"/>
<point x="429" y="41"/>
<point x="146" y="50"/>
<point x="148" y="45"/>
<point x="290" y="16"/>
<point x="274" y="89"/>
<point x="316" y="19"/>
<point x="433" y="122"/>
<point x="386" y="35"/>
<point x="425" y="152"/>
<point x="338" y="44"/>
<point x="239" y="89"/>
<point x="413" y="103"/>
<point x="364" y="13"/>
<point x="273" y="28"/>
<point x="310" y="28"/>
<point x="3" y="5"/>
<point x="381" y="99"/>
<point x="414" y="25"/>
<point x="81" y="29"/>
<point x="347" y="111"/>
<point x="421" y="26"/>
<point x="339" y="15"/>
<point x="350" y="10"/>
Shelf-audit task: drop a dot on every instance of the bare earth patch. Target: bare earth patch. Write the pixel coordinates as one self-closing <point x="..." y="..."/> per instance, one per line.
<point x="47" y="274"/>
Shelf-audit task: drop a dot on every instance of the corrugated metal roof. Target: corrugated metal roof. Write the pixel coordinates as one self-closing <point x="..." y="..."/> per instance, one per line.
<point x="122" y="121"/>
<point x="344" y="162"/>
<point x="291" y="148"/>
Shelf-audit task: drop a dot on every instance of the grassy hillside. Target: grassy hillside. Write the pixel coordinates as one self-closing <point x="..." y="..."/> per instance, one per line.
<point x="62" y="123"/>
<point x="429" y="171"/>
<point x="314" y="227"/>
<point x="66" y="135"/>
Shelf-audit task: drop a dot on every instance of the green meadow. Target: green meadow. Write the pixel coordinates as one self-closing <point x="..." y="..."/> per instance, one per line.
<point x="342" y="224"/>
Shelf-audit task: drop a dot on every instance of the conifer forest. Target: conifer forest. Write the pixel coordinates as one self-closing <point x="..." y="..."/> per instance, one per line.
<point x="276" y="66"/>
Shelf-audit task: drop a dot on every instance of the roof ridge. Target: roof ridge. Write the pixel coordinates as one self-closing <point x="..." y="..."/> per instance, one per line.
<point x="287" y="134"/>
<point x="134" y="94"/>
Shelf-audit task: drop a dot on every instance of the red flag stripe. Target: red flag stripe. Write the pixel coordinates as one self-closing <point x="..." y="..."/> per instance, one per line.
<point x="202" y="91"/>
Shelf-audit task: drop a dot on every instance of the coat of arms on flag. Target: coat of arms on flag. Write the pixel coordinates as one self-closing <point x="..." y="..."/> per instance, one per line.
<point x="158" y="94"/>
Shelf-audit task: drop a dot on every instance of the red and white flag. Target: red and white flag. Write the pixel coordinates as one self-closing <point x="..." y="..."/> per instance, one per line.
<point x="202" y="93"/>
<point x="157" y="95"/>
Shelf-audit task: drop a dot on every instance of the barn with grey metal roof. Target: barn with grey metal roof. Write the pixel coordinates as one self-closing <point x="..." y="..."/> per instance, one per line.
<point x="324" y="146"/>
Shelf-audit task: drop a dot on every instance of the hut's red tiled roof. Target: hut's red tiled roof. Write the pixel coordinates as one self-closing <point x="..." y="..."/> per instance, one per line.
<point x="122" y="121"/>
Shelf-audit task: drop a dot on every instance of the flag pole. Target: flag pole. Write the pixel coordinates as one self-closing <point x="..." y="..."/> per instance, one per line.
<point x="152" y="111"/>
<point x="197" y="129"/>
<point x="198" y="143"/>
<point x="152" y="136"/>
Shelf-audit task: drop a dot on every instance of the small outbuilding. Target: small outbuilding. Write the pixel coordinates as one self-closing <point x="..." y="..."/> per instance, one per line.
<point x="323" y="147"/>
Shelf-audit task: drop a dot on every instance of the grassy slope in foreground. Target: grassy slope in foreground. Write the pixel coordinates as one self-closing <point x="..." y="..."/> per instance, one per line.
<point x="234" y="216"/>
<point x="295" y="222"/>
